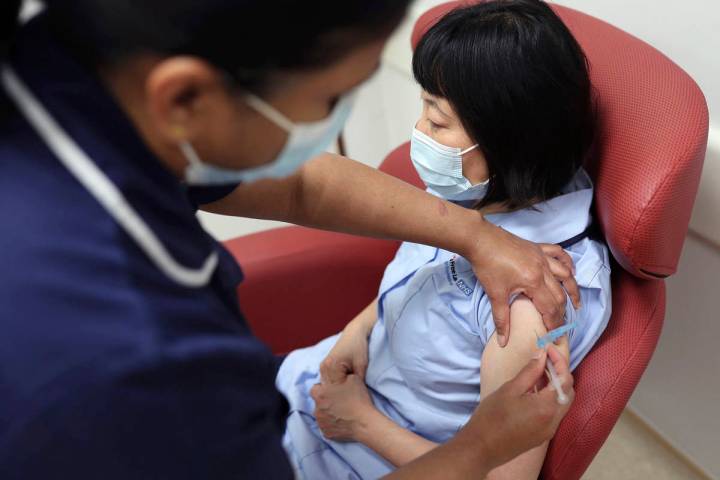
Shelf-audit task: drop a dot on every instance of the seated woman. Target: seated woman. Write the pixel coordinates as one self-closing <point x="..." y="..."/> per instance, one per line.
<point x="507" y="121"/>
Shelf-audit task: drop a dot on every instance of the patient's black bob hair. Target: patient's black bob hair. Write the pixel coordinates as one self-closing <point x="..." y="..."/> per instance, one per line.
<point x="519" y="82"/>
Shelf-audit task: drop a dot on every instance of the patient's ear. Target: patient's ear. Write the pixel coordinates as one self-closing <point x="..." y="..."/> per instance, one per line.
<point x="475" y="167"/>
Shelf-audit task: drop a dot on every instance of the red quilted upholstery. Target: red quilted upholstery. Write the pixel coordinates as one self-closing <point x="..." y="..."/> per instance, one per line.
<point x="653" y="135"/>
<point x="303" y="285"/>
<point x="607" y="377"/>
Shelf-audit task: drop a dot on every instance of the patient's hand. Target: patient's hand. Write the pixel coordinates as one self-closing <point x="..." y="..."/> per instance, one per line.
<point x="343" y="409"/>
<point x="350" y="353"/>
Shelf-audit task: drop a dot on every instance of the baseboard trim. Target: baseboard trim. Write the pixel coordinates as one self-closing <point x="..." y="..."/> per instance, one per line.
<point x="667" y="443"/>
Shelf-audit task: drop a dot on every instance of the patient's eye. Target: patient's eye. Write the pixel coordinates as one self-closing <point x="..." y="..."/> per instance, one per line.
<point x="433" y="125"/>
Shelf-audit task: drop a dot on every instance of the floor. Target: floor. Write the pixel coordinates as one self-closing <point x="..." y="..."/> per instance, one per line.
<point x="632" y="452"/>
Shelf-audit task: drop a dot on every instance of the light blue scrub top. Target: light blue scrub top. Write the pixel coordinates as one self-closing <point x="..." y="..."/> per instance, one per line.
<point x="434" y="321"/>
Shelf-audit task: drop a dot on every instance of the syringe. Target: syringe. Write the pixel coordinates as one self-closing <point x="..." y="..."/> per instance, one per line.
<point x="543" y="342"/>
<point x="553" y="335"/>
<point x="562" y="398"/>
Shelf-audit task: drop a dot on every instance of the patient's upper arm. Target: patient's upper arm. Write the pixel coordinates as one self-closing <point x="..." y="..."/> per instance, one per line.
<point x="501" y="364"/>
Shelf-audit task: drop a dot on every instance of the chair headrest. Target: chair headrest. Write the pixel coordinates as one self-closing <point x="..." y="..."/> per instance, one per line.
<point x="652" y="136"/>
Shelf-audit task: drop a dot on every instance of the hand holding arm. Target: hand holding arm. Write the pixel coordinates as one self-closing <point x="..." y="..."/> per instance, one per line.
<point x="335" y="193"/>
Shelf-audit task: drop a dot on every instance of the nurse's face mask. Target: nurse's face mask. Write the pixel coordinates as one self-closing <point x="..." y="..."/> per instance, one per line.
<point x="440" y="168"/>
<point x="305" y="141"/>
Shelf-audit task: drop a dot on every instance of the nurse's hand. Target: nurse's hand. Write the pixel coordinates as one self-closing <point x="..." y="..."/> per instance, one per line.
<point x="507" y="423"/>
<point x="342" y="409"/>
<point x="507" y="265"/>
<point x="514" y="418"/>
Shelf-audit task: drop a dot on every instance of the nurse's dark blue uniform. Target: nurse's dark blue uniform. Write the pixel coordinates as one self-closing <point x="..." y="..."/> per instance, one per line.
<point x="110" y="367"/>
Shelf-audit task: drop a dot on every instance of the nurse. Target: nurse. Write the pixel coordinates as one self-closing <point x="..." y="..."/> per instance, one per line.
<point x="123" y="352"/>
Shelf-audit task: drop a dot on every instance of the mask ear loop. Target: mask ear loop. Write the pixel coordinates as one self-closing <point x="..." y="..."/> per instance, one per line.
<point x="269" y="112"/>
<point x="469" y="149"/>
<point x="261" y="106"/>
<point x="189" y="153"/>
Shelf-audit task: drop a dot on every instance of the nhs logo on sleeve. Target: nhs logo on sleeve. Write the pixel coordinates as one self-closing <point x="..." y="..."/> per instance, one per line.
<point x="453" y="277"/>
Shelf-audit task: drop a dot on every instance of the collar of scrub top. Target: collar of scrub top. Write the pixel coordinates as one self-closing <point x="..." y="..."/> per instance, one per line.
<point x="76" y="101"/>
<point x="566" y="216"/>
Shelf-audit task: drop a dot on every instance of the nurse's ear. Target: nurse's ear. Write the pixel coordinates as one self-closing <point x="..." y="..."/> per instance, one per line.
<point x="181" y="94"/>
<point x="186" y="99"/>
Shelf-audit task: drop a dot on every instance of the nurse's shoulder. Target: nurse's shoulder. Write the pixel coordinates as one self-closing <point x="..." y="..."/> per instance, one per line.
<point x="103" y="354"/>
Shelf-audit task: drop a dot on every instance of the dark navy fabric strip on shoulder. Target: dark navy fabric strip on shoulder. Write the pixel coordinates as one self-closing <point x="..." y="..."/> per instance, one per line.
<point x="588" y="232"/>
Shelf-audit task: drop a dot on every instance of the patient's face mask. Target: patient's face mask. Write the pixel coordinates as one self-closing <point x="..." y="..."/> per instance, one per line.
<point x="440" y="167"/>
<point x="305" y="141"/>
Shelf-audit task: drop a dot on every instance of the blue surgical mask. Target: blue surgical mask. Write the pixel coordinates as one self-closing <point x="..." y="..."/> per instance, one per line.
<point x="305" y="141"/>
<point x="440" y="167"/>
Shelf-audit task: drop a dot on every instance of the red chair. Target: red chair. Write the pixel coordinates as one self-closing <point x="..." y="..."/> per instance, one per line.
<point x="303" y="285"/>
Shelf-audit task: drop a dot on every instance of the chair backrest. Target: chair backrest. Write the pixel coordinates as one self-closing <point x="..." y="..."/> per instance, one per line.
<point x="653" y="124"/>
<point x="647" y="163"/>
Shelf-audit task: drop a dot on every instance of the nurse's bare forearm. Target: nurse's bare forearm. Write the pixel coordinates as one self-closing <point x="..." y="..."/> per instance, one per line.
<point x="335" y="193"/>
<point x="389" y="440"/>
<point x="458" y="459"/>
<point x="343" y="195"/>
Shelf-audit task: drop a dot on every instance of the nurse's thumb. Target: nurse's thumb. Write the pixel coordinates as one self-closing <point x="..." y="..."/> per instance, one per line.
<point x="501" y="317"/>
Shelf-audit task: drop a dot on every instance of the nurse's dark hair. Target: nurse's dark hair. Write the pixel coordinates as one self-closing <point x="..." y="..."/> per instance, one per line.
<point x="9" y="11"/>
<point x="519" y="82"/>
<point x="248" y="39"/>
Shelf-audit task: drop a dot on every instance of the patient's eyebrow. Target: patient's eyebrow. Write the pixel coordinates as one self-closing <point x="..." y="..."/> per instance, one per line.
<point x="433" y="103"/>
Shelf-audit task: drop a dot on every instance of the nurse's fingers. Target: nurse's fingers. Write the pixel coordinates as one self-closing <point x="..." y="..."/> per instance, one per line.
<point x="567" y="278"/>
<point x="549" y="300"/>
<point x="556" y="288"/>
<point x="560" y="362"/>
<point x="562" y="369"/>
<point x="559" y="254"/>
<point x="554" y="410"/>
<point x="549" y="393"/>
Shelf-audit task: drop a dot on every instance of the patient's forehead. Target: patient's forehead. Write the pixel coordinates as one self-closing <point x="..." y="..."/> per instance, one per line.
<point x="440" y="104"/>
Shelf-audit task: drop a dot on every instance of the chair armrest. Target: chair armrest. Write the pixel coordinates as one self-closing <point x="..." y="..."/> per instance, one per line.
<point x="302" y="285"/>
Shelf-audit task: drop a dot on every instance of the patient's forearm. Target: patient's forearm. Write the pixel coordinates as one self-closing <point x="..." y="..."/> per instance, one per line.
<point x="365" y="320"/>
<point x="389" y="440"/>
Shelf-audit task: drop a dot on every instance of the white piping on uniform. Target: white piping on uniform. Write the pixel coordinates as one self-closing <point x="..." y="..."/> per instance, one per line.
<point x="100" y="186"/>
